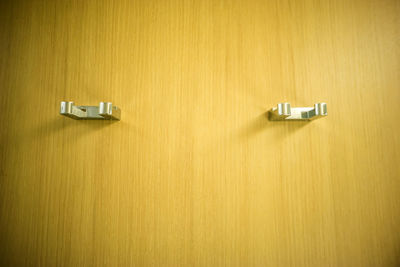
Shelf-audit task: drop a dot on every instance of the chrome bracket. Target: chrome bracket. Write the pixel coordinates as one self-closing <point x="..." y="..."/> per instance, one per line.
<point x="105" y="111"/>
<point x="283" y="112"/>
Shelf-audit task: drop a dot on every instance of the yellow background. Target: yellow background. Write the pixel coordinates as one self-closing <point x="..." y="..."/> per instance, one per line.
<point x="194" y="174"/>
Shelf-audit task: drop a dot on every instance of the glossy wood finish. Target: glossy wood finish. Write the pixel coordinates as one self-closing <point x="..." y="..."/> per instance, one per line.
<point x="195" y="174"/>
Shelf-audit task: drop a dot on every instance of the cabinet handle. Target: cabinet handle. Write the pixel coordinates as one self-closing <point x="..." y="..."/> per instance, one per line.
<point x="283" y="112"/>
<point x="105" y="111"/>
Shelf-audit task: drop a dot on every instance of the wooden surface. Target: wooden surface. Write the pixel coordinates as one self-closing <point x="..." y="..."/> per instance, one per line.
<point x="195" y="174"/>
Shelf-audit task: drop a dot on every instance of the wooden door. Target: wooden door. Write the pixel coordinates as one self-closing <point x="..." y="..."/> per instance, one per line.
<point x="194" y="174"/>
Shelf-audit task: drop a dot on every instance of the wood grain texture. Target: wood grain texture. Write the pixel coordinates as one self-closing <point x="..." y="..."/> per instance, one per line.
<point x="195" y="174"/>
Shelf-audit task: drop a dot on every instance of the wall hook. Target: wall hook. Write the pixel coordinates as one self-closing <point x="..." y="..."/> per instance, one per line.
<point x="283" y="112"/>
<point x="105" y="111"/>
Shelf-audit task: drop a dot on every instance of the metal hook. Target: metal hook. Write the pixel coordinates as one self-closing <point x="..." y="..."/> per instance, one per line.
<point x="105" y="111"/>
<point x="284" y="112"/>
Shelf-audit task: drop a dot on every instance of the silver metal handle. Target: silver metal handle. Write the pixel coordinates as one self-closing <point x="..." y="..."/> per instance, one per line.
<point x="105" y="111"/>
<point x="284" y="112"/>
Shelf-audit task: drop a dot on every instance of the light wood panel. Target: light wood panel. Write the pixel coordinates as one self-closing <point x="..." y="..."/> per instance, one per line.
<point x="195" y="174"/>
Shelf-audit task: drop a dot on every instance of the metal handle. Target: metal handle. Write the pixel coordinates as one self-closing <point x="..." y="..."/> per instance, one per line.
<point x="105" y="111"/>
<point x="284" y="112"/>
